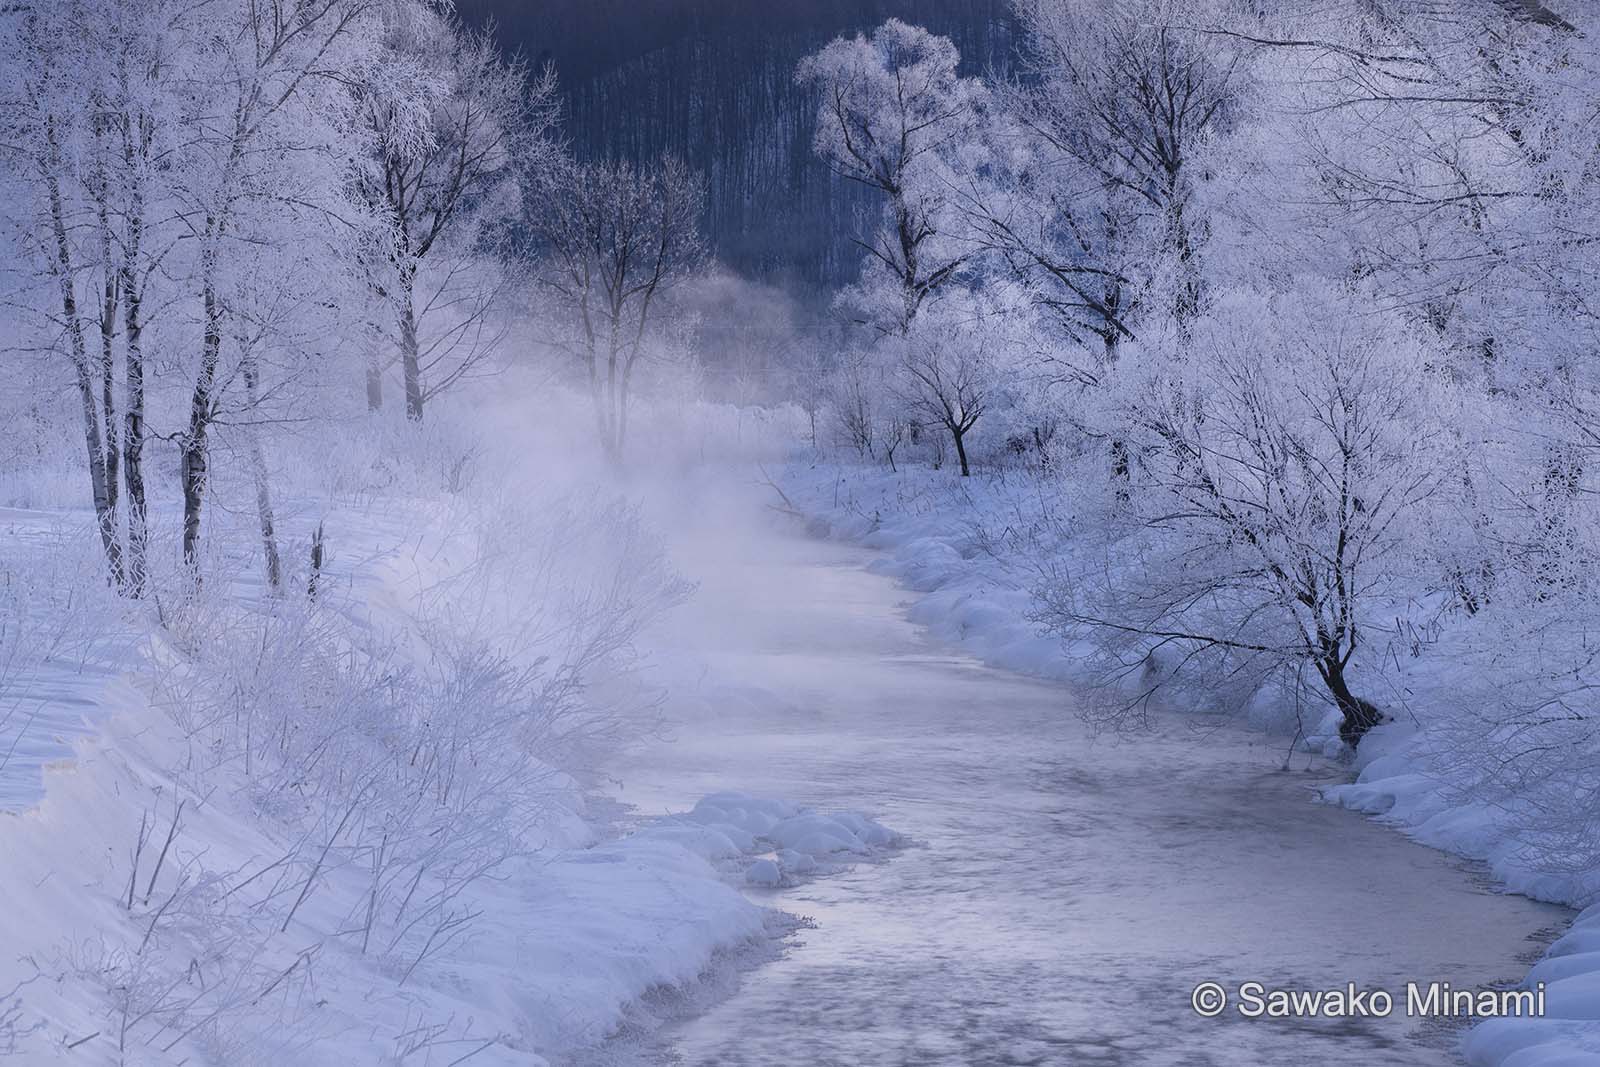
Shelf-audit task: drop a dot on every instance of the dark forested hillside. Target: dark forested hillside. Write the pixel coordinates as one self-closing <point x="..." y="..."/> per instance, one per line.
<point x="713" y="81"/>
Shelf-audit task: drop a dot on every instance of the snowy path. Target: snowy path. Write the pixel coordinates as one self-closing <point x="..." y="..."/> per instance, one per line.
<point x="1067" y="893"/>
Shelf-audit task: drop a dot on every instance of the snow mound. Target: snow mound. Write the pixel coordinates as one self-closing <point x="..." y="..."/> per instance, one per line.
<point x="1568" y="1035"/>
<point x="764" y="873"/>
<point x="1398" y="787"/>
<point x="775" y="842"/>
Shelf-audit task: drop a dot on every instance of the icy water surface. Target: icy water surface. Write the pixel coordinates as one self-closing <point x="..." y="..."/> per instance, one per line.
<point x="1066" y="893"/>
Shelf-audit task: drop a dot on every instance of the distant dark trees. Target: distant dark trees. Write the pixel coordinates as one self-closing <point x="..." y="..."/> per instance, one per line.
<point x="712" y="82"/>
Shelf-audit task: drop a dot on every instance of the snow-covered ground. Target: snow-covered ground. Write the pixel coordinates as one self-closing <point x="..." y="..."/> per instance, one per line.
<point x="115" y="952"/>
<point x="1031" y="893"/>
<point x="53" y="659"/>
<point x="948" y="540"/>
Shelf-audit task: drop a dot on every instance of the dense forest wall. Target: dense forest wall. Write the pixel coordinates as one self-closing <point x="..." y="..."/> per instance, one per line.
<point x="713" y="81"/>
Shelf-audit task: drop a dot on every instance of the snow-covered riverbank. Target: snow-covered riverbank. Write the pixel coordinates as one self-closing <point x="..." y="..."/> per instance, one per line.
<point x="1037" y="893"/>
<point x="1063" y="894"/>
<point x="146" y="918"/>
<point x="947" y="541"/>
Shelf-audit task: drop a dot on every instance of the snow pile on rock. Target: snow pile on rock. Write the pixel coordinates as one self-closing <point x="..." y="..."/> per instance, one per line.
<point x="775" y="843"/>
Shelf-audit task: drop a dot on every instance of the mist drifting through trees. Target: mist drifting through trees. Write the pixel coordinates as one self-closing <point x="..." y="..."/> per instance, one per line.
<point x="489" y="491"/>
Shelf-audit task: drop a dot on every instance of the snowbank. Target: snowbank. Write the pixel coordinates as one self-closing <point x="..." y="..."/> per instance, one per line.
<point x="1398" y="786"/>
<point x="1568" y="1035"/>
<point x="784" y="844"/>
<point x="564" y="943"/>
<point x="54" y="644"/>
<point x="141" y="928"/>
<point x="923" y="524"/>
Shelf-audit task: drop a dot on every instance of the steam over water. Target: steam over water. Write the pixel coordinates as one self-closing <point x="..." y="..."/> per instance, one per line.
<point x="1066" y="893"/>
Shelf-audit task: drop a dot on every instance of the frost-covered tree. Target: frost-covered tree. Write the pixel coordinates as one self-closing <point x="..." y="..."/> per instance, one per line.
<point x="1440" y="153"/>
<point x="58" y="110"/>
<point x="894" y="115"/>
<point x="1117" y="107"/>
<point x="271" y="136"/>
<point x="452" y="129"/>
<point x="947" y="369"/>
<point x="1282" y="477"/>
<point x="615" y="239"/>
<point x="134" y="135"/>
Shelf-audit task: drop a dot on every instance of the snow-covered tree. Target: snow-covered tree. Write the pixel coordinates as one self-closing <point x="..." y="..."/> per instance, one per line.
<point x="895" y="115"/>
<point x="615" y="239"/>
<point x="1282" y="476"/>
<point x="60" y="109"/>
<point x="454" y="129"/>
<point x="271" y="139"/>
<point x="1115" y="113"/>
<point x="948" y="369"/>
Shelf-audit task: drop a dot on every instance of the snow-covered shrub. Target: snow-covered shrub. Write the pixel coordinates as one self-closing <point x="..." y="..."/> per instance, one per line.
<point x="424" y="749"/>
<point x="382" y="454"/>
<point x="41" y="458"/>
<point x="855" y="396"/>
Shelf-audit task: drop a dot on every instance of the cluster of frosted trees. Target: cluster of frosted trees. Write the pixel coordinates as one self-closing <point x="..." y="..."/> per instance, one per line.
<point x="222" y="218"/>
<point x="246" y="246"/>
<point x="1294" y="303"/>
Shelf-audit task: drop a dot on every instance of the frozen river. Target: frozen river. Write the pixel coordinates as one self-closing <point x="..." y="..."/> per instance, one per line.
<point x="1065" y="893"/>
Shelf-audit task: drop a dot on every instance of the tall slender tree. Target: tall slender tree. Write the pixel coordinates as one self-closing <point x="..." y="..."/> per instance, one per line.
<point x="272" y="133"/>
<point x="454" y="128"/>
<point x="54" y="70"/>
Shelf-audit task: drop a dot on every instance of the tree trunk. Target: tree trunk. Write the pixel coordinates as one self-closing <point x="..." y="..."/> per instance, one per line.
<point x="1359" y="715"/>
<point x="602" y="416"/>
<point x="374" y="384"/>
<point x="134" y="431"/>
<point x="605" y="394"/>
<point x="623" y="400"/>
<point x="1120" y="470"/>
<point x="104" y="508"/>
<point x="410" y="357"/>
<point x="108" y="365"/>
<point x="258" y="473"/>
<point x="1562" y="483"/>
<point x="193" y="457"/>
<point x="105" y="516"/>
<point x="269" y="536"/>
<point x="961" y="449"/>
<point x="316" y="562"/>
<point x="1186" y="307"/>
